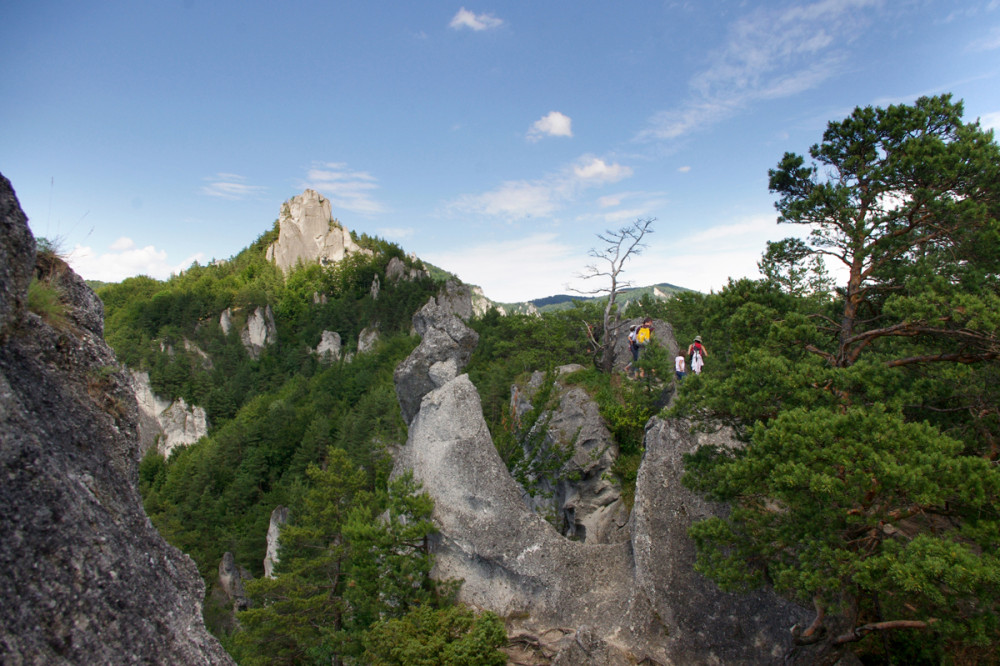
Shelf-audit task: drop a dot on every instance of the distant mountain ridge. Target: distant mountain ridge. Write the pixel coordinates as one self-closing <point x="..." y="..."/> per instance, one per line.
<point x="659" y="291"/>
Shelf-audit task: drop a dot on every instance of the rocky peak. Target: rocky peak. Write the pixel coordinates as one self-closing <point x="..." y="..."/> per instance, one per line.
<point x="307" y="233"/>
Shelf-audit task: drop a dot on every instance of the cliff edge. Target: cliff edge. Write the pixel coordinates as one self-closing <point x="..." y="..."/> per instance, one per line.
<point x="86" y="579"/>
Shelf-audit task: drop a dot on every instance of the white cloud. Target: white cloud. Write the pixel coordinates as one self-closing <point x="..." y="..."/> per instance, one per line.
<point x="769" y="54"/>
<point x="230" y="186"/>
<point x="684" y="169"/>
<point x="991" y="121"/>
<point x="516" y="270"/>
<point x="478" y="22"/>
<point x="521" y="199"/>
<point x="553" y="124"/>
<point x="124" y="259"/>
<point x="597" y="170"/>
<point x="346" y="189"/>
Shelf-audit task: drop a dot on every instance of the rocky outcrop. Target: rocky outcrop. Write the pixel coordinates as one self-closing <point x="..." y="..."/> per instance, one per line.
<point x="445" y="348"/>
<point x="231" y="579"/>
<point x="582" y="497"/>
<point x="166" y="425"/>
<point x="226" y="321"/>
<point x="663" y="335"/>
<point x="367" y="339"/>
<point x="636" y="600"/>
<point x="259" y="331"/>
<point x="396" y="270"/>
<point x="307" y="233"/>
<point x="328" y="349"/>
<point x="278" y="518"/>
<point x="86" y="578"/>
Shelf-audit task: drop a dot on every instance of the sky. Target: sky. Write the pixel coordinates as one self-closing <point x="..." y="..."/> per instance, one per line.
<point x="495" y="140"/>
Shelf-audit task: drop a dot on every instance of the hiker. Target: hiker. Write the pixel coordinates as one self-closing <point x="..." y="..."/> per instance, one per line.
<point x="697" y="353"/>
<point x="679" y="367"/>
<point x="638" y="337"/>
<point x="633" y="348"/>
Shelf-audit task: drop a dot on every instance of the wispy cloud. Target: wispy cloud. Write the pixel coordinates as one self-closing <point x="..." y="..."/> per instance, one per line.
<point x="478" y="22"/>
<point x="517" y="269"/>
<point x="769" y="54"/>
<point x="346" y="189"/>
<point x="124" y="259"/>
<point x="520" y="199"/>
<point x="989" y="42"/>
<point x="552" y="124"/>
<point x="991" y="121"/>
<point x="230" y="186"/>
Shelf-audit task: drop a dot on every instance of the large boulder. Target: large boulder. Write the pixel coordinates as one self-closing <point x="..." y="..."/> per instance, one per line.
<point x="307" y="233"/>
<point x="86" y="579"/>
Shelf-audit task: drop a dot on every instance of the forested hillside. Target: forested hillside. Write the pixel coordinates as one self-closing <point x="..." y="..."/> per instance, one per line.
<point x="868" y="487"/>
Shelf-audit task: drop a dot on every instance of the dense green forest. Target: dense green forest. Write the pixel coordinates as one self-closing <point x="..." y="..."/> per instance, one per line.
<point x="867" y="488"/>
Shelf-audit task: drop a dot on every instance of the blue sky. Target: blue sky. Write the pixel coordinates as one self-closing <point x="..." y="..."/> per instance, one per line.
<point x="492" y="139"/>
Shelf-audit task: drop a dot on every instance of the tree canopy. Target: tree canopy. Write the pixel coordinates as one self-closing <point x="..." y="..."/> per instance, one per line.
<point x="868" y="485"/>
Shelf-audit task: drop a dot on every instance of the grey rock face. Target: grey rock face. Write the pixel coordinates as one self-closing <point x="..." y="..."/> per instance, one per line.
<point x="166" y="425"/>
<point x="86" y="578"/>
<point x="396" y="270"/>
<point x="226" y="321"/>
<point x="231" y="579"/>
<point x="582" y="496"/>
<point x="445" y="349"/>
<point x="703" y="624"/>
<point x="367" y="339"/>
<point x="328" y="348"/>
<point x="663" y="334"/>
<point x="259" y="332"/>
<point x="17" y="257"/>
<point x="278" y="518"/>
<point x="308" y="233"/>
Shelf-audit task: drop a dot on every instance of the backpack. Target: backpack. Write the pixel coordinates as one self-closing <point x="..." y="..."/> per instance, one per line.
<point x="642" y="335"/>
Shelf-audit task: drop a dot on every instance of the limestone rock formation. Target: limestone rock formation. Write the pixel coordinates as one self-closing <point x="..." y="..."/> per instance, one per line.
<point x="663" y="334"/>
<point x="444" y="349"/>
<point x="259" y="331"/>
<point x="231" y="579"/>
<point x="226" y="321"/>
<point x="328" y="349"/>
<point x="582" y="496"/>
<point x="166" y="425"/>
<point x="396" y="270"/>
<point x="278" y="518"/>
<point x="636" y="600"/>
<point x="307" y="233"/>
<point x="86" y="578"/>
<point x="367" y="339"/>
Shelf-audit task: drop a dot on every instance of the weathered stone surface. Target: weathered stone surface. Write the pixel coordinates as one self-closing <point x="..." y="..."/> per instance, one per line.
<point x="86" y="578"/>
<point x="278" y="518"/>
<point x="512" y="561"/>
<point x="163" y="424"/>
<point x="259" y="331"/>
<point x="328" y="348"/>
<point x="582" y="496"/>
<point x="17" y="257"/>
<point x="367" y="339"/>
<point x="445" y="349"/>
<point x="702" y="624"/>
<point x="231" y="579"/>
<point x="396" y="270"/>
<point x="307" y="233"/>
<point x="226" y="321"/>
